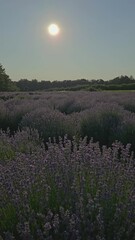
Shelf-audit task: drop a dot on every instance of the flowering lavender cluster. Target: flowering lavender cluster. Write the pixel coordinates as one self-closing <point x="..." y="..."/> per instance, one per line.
<point x="70" y="191"/>
<point x="73" y="186"/>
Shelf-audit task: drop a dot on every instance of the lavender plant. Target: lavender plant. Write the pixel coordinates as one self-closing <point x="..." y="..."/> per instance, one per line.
<point x="49" y="123"/>
<point x="69" y="191"/>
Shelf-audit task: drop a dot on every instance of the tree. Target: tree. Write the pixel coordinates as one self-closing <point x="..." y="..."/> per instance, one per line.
<point x="5" y="81"/>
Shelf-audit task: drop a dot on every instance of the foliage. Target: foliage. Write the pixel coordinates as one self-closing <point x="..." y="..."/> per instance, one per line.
<point x="118" y="83"/>
<point x="5" y="82"/>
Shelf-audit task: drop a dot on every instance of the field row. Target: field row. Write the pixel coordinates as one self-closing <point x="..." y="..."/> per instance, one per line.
<point x="105" y="117"/>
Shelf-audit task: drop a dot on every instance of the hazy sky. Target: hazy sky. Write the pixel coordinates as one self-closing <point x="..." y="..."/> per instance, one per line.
<point x="97" y="39"/>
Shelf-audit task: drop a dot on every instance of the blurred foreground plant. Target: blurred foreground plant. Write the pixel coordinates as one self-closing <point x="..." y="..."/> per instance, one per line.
<point x="70" y="191"/>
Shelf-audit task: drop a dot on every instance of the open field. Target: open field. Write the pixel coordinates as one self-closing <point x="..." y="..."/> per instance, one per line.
<point x="67" y="165"/>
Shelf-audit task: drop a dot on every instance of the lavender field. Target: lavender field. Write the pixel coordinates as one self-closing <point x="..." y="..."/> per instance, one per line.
<point x="67" y="166"/>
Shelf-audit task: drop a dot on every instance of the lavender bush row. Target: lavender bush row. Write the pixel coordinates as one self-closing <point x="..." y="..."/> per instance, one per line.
<point x="70" y="191"/>
<point x="104" y="122"/>
<point x="66" y="102"/>
<point x="83" y="98"/>
<point x="104" y="116"/>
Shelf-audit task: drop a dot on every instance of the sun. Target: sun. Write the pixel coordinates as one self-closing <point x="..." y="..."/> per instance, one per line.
<point x="53" y="29"/>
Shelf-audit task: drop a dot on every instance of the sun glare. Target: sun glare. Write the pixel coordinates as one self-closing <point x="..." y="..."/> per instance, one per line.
<point x="53" y="29"/>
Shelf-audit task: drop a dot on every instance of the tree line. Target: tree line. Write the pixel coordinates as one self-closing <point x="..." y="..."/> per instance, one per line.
<point x="118" y="83"/>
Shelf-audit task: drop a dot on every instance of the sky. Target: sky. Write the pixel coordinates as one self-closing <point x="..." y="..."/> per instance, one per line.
<point x="96" y="39"/>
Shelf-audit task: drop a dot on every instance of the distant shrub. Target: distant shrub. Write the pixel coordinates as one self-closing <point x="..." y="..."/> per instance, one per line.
<point x="93" y="89"/>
